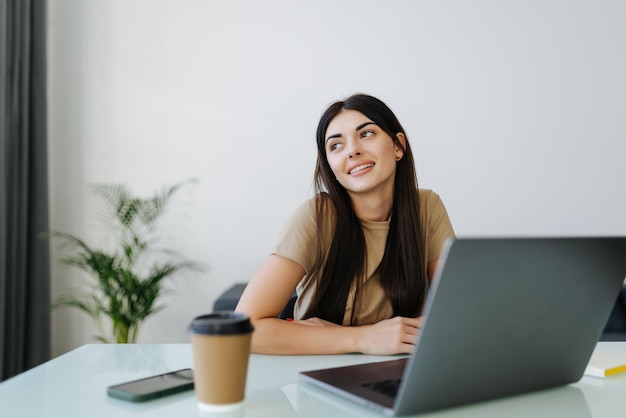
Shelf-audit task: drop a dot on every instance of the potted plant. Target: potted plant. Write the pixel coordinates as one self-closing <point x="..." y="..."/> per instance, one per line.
<point x="129" y="276"/>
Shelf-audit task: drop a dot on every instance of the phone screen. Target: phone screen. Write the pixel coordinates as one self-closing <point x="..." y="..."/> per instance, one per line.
<point x="154" y="386"/>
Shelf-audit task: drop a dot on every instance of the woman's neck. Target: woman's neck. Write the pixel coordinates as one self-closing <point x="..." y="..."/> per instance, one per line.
<point x="375" y="208"/>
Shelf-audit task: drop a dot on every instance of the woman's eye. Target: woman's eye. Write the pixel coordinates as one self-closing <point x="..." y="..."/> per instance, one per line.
<point x="367" y="133"/>
<point x="333" y="146"/>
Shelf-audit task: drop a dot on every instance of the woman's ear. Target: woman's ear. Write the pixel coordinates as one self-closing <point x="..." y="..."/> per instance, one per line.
<point x="400" y="150"/>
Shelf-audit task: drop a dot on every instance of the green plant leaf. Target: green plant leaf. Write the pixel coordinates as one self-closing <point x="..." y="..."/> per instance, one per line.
<point x="128" y="282"/>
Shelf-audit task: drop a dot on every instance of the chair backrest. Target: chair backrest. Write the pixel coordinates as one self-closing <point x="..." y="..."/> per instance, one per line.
<point x="615" y="329"/>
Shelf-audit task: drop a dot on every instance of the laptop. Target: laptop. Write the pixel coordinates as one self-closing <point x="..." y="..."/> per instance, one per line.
<point x="505" y="316"/>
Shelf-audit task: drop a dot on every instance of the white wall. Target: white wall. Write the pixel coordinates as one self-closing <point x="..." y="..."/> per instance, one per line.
<point x="516" y="111"/>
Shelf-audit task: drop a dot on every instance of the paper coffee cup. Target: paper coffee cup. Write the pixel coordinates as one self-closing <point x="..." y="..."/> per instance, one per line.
<point x="221" y="349"/>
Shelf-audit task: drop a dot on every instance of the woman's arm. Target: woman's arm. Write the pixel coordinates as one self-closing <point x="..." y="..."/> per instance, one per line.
<point x="267" y="294"/>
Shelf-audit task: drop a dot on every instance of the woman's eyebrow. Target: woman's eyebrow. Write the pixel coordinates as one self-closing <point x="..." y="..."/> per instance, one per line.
<point x="363" y="125"/>
<point x="358" y="128"/>
<point x="333" y="136"/>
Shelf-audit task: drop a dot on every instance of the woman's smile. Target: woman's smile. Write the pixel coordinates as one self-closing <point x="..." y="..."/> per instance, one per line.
<point x="360" y="169"/>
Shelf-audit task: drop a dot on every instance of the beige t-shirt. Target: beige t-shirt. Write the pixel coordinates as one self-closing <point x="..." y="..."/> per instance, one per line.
<point x="298" y="242"/>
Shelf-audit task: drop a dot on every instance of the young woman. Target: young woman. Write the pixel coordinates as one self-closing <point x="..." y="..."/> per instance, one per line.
<point x="361" y="254"/>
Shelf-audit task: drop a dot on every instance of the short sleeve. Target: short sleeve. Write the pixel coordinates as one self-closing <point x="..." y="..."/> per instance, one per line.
<point x="298" y="239"/>
<point x="436" y="224"/>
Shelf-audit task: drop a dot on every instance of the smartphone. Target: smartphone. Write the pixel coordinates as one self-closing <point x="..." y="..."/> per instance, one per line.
<point x="153" y="387"/>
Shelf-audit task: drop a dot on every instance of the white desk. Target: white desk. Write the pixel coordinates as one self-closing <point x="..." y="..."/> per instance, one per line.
<point x="74" y="385"/>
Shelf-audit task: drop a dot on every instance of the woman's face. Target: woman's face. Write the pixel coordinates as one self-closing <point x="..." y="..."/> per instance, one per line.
<point x="362" y="156"/>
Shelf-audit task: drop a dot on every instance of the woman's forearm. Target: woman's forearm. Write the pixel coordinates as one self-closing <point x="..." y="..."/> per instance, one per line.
<point x="391" y="336"/>
<point x="276" y="336"/>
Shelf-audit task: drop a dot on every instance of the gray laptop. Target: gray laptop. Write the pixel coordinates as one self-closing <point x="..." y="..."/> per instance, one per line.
<point x="506" y="316"/>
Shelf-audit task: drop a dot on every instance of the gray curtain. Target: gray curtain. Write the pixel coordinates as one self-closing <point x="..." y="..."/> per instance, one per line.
<point x="24" y="255"/>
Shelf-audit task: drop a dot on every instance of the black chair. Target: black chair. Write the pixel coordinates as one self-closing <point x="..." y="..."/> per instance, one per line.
<point x="615" y="329"/>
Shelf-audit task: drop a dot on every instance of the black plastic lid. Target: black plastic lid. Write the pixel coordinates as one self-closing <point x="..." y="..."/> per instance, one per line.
<point x="221" y="323"/>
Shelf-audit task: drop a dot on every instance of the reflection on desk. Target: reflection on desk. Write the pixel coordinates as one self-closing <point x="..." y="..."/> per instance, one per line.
<point x="565" y="401"/>
<point x="74" y="385"/>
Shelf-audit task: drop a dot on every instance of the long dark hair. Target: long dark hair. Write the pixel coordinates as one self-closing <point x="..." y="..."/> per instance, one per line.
<point x="402" y="270"/>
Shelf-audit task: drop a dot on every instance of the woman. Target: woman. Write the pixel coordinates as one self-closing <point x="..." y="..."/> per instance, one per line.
<point x="361" y="254"/>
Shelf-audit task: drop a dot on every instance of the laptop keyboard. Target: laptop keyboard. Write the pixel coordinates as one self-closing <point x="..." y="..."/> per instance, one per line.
<point x="386" y="387"/>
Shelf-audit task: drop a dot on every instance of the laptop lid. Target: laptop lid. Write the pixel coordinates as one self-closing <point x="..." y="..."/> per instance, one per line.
<point x="505" y="316"/>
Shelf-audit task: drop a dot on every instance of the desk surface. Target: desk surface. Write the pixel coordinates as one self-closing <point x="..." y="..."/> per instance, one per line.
<point x="74" y="385"/>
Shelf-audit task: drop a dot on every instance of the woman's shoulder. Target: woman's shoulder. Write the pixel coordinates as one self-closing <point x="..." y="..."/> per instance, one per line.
<point x="313" y="202"/>
<point x="430" y="202"/>
<point x="309" y="207"/>
<point x="428" y="195"/>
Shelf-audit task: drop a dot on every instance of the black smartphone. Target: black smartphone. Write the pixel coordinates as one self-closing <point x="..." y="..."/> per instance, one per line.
<point x="153" y="387"/>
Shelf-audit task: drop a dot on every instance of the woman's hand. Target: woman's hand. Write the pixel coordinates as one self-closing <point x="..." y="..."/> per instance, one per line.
<point x="390" y="336"/>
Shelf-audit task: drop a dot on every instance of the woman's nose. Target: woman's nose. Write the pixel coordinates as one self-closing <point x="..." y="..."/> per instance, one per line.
<point x="354" y="150"/>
